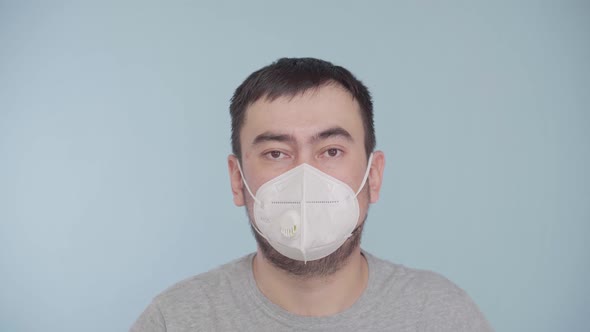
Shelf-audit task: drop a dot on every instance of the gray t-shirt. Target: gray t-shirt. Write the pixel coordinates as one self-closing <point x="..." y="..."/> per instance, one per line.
<point x="397" y="298"/>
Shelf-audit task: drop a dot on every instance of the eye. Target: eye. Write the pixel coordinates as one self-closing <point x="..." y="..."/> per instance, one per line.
<point x="275" y="154"/>
<point x="332" y="152"/>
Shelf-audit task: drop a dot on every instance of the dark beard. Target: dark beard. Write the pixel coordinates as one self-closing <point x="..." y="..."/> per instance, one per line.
<point x="322" y="267"/>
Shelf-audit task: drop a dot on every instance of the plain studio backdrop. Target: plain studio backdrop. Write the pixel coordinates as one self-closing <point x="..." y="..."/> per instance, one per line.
<point x="114" y="133"/>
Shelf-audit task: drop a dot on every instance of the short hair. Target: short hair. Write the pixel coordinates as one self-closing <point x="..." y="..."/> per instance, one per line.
<point x="293" y="76"/>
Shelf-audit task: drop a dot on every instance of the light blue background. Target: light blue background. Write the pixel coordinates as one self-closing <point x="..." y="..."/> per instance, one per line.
<point x="114" y="133"/>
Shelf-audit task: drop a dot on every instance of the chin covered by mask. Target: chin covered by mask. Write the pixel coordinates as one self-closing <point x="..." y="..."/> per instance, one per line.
<point x="304" y="213"/>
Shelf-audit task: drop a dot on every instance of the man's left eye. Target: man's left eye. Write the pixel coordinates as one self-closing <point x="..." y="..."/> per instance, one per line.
<point x="333" y="152"/>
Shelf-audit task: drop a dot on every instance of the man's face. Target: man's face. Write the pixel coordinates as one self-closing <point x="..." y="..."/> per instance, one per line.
<point x="322" y="127"/>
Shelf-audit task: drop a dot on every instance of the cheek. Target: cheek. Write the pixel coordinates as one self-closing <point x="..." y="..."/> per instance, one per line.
<point x="255" y="180"/>
<point x="259" y="175"/>
<point x="257" y="183"/>
<point x="363" y="199"/>
<point x="354" y="180"/>
<point x="249" y="205"/>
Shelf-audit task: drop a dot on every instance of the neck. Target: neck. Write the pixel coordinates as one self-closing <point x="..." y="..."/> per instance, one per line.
<point x="317" y="296"/>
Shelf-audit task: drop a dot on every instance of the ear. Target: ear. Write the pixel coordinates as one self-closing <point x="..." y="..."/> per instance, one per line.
<point x="235" y="179"/>
<point x="376" y="175"/>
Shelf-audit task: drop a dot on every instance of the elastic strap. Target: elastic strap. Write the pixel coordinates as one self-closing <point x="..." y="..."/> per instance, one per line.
<point x="366" y="174"/>
<point x="245" y="183"/>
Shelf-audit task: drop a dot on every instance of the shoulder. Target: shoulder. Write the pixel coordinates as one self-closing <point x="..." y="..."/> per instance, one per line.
<point x="409" y="280"/>
<point x="201" y="285"/>
<point x="435" y="302"/>
<point x="201" y="299"/>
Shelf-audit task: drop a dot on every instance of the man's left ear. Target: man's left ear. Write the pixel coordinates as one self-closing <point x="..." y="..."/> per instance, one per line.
<point x="376" y="175"/>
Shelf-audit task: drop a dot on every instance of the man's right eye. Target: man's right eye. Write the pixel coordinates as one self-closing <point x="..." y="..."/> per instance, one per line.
<point x="275" y="154"/>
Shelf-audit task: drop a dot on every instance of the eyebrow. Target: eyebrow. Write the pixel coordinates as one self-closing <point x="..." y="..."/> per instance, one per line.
<point x="333" y="132"/>
<point x="325" y="134"/>
<point x="272" y="137"/>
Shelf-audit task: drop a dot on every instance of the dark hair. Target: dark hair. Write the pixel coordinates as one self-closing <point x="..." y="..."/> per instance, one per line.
<point x="293" y="76"/>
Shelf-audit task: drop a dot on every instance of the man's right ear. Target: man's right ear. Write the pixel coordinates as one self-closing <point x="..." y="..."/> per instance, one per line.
<point x="235" y="179"/>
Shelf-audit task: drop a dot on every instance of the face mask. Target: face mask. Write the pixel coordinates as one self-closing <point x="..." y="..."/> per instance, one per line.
<point x="304" y="213"/>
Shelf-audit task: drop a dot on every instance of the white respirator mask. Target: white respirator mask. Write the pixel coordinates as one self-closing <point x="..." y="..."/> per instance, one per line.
<point x="304" y="213"/>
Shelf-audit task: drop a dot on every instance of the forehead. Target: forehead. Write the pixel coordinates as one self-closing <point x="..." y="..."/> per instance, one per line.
<point x="304" y="114"/>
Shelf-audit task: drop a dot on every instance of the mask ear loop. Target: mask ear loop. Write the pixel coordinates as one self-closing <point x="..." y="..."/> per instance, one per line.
<point x="361" y="188"/>
<point x="245" y="183"/>
<point x="253" y="223"/>
<point x="366" y="174"/>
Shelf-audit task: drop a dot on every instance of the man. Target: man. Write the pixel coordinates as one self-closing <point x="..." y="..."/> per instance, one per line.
<point x="304" y="166"/>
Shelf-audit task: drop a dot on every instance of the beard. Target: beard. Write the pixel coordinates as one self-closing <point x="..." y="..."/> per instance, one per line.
<point x="322" y="267"/>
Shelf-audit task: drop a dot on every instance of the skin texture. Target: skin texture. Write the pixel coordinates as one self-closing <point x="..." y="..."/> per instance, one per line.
<point x="321" y="127"/>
